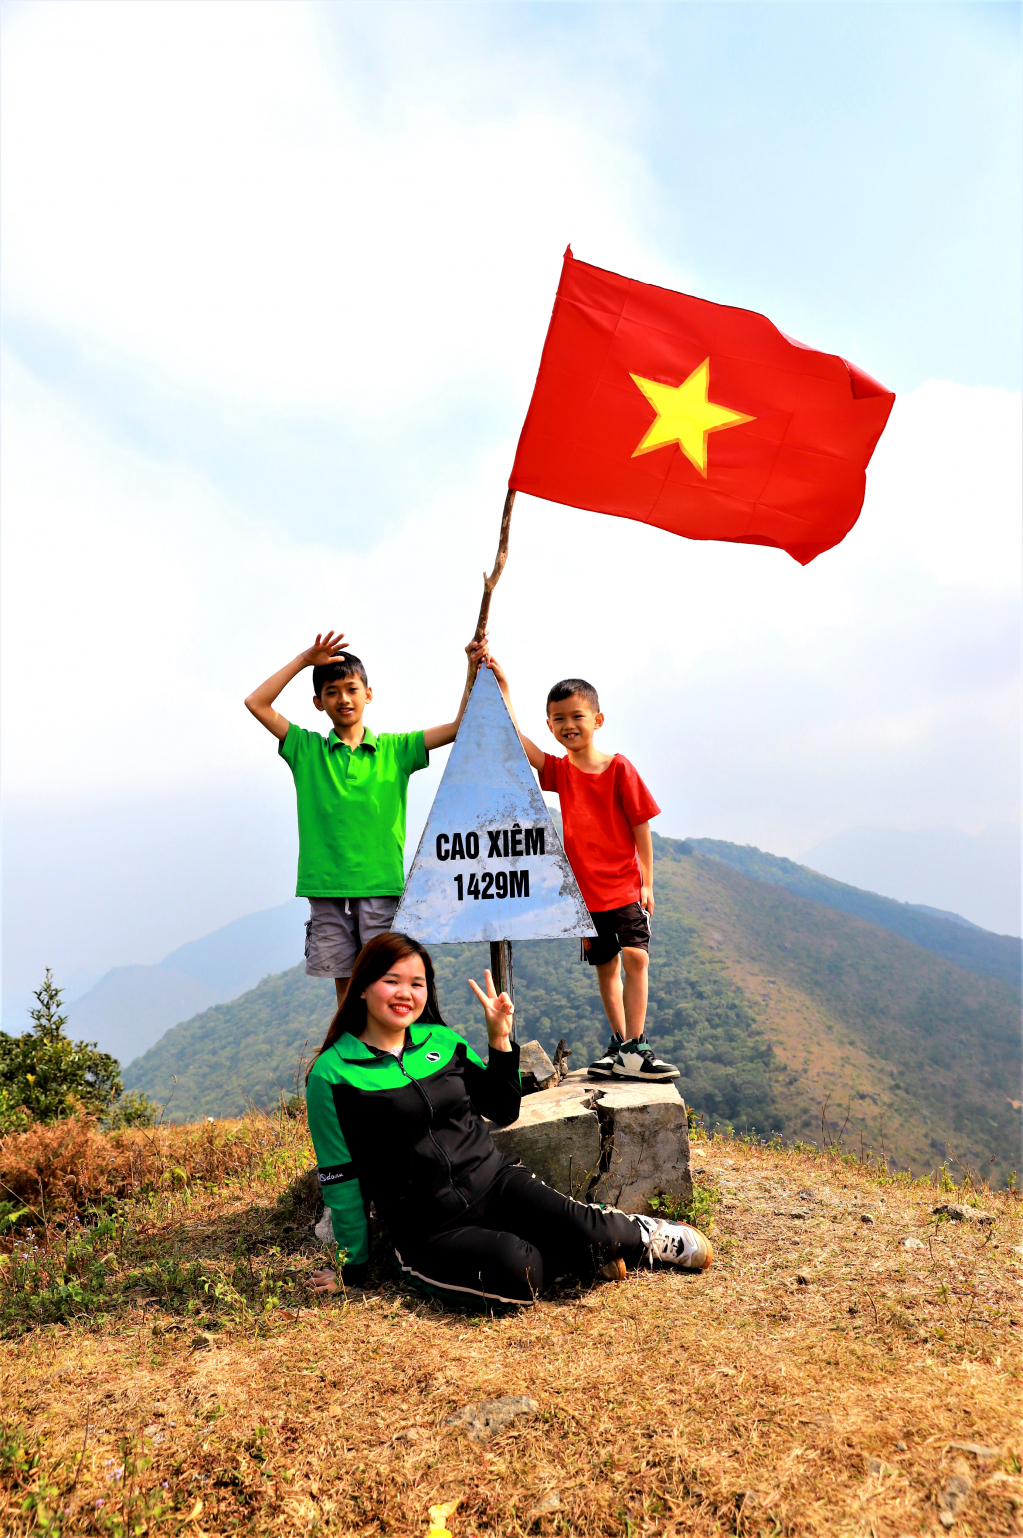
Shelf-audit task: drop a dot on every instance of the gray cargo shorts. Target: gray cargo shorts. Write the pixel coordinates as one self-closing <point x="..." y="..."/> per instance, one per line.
<point x="339" y="927"/>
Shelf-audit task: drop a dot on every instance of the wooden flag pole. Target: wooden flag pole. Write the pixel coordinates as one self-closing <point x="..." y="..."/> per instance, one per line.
<point x="489" y="583"/>
<point x="500" y="950"/>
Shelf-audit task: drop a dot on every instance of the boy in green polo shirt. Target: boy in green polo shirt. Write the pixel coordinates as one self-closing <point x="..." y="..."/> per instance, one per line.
<point x="351" y="788"/>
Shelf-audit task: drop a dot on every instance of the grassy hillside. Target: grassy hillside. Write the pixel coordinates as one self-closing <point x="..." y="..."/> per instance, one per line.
<point x="976" y="949"/>
<point x="908" y="1045"/>
<point x="234" y="1054"/>
<point x="769" y="1002"/>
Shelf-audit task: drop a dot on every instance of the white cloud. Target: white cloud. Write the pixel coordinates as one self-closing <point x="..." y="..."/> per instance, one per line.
<point x="214" y="207"/>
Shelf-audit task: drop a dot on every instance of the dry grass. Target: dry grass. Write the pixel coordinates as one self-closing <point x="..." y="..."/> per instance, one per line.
<point x="73" y="1164"/>
<point x="744" y="1401"/>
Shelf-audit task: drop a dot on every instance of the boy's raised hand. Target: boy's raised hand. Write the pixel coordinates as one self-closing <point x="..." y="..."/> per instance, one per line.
<point x="479" y="656"/>
<point x="326" y="648"/>
<point x="499" y="673"/>
<point x="499" y="1010"/>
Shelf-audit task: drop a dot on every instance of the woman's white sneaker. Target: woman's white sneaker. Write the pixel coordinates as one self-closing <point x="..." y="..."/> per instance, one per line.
<point x="675" y="1244"/>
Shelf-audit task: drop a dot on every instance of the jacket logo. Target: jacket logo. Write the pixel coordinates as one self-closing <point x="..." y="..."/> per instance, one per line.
<point x="330" y="1174"/>
<point x="433" y="1057"/>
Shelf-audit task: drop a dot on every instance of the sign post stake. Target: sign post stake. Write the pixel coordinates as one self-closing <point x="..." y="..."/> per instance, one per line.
<point x="502" y="972"/>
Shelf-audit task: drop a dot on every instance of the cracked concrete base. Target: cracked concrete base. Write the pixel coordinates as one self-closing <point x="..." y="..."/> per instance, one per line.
<point x="604" y="1140"/>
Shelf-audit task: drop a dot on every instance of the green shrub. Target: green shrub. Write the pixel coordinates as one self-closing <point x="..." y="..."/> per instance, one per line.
<point x="44" y="1075"/>
<point x="13" y="1116"/>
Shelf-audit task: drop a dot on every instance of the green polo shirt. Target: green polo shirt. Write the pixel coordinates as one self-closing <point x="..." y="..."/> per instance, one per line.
<point x="351" y="810"/>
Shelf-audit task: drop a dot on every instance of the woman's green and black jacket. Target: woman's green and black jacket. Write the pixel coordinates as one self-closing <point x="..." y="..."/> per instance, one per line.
<point x="407" y="1134"/>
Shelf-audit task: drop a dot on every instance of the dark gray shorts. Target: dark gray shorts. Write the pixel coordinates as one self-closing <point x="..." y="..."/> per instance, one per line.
<point x="339" y="927"/>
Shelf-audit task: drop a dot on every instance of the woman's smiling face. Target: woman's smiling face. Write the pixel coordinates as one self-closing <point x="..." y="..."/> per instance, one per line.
<point x="397" y="999"/>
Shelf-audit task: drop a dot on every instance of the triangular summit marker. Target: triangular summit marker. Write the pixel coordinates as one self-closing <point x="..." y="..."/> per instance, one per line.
<point x="490" y="865"/>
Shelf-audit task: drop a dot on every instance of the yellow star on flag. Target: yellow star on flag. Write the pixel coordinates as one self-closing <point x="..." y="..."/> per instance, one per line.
<point x="685" y="416"/>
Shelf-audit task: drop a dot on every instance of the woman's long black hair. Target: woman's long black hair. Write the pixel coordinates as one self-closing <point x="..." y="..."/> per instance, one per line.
<point x="373" y="962"/>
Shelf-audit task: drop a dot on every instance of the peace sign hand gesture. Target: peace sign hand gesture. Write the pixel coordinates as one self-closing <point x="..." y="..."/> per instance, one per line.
<point x="499" y="1011"/>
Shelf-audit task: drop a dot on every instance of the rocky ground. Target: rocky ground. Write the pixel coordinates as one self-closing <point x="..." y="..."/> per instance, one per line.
<point x="850" y="1365"/>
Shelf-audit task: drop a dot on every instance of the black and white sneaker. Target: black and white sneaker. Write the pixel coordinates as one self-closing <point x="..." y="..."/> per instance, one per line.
<point x="675" y="1244"/>
<point x="603" y="1068"/>
<point x="638" y="1060"/>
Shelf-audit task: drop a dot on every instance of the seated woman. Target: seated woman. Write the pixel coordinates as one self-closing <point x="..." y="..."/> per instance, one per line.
<point x="396" y="1102"/>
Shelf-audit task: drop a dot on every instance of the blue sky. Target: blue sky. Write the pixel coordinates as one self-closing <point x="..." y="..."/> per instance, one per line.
<point x="854" y="168"/>
<point x="276" y="279"/>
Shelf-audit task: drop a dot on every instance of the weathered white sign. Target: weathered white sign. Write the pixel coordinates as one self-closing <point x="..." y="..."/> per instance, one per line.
<point x="490" y="865"/>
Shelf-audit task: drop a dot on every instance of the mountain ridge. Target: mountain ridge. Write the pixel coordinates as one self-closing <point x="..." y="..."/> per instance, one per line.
<point x="974" y="874"/>
<point x="769" y="1001"/>
<point x="128" y="1009"/>
<point x="948" y="935"/>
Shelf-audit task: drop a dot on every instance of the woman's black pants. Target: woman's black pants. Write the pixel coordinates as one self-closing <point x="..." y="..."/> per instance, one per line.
<point x="516" y="1241"/>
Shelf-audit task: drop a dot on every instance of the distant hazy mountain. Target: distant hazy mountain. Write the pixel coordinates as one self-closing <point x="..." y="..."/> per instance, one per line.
<point x="78" y="982"/>
<point x="130" y="1008"/>
<point x="976" y="875"/>
<point x="233" y="958"/>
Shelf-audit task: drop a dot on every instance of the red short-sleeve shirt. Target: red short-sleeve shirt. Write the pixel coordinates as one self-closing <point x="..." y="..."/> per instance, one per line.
<point x="599" y="812"/>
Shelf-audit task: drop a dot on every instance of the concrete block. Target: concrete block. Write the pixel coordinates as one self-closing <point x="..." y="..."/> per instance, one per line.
<point x="604" y="1140"/>
<point x="558" y="1138"/>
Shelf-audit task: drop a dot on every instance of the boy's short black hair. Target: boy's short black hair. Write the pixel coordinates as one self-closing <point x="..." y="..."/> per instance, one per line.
<point x="346" y="666"/>
<point x="569" y="686"/>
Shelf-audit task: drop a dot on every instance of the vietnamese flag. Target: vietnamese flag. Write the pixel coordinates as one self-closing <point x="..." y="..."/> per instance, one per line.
<point x="702" y="419"/>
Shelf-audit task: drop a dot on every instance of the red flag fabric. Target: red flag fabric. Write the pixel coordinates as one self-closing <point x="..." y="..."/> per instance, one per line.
<point x="702" y="419"/>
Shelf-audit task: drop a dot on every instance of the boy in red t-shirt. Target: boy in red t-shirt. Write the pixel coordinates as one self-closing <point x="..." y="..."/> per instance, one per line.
<point x="606" y="811"/>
